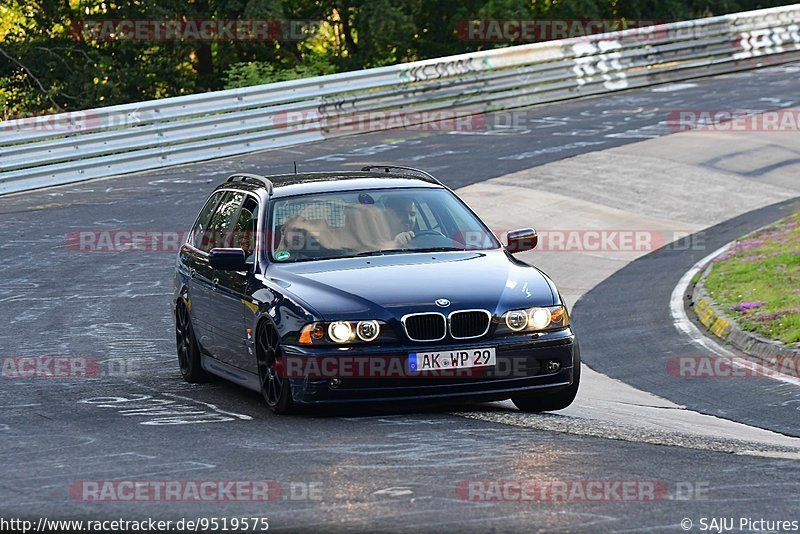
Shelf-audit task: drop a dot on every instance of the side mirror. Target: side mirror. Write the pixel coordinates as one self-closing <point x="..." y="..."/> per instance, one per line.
<point x="522" y="240"/>
<point x="228" y="259"/>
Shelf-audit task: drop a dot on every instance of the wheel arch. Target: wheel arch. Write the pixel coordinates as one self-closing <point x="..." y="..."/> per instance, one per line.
<point x="181" y="297"/>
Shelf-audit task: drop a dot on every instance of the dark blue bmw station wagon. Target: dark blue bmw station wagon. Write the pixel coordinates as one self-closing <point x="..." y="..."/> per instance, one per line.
<point x="368" y="286"/>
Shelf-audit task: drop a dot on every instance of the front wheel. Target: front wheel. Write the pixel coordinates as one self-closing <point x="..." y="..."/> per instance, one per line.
<point x="554" y="401"/>
<point x="274" y="384"/>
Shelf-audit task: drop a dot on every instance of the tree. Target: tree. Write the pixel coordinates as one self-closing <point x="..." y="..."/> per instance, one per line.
<point x="49" y="62"/>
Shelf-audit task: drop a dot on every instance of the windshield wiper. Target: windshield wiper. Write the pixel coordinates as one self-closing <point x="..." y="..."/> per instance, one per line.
<point x="437" y="249"/>
<point x="401" y="250"/>
<point x="380" y="252"/>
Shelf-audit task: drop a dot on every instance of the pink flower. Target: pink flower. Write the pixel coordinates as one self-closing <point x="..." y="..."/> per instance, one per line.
<point x="742" y="306"/>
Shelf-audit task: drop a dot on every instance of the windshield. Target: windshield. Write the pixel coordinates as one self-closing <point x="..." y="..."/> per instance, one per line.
<point x="374" y="222"/>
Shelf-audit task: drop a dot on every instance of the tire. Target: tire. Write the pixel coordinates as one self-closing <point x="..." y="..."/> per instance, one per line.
<point x="187" y="347"/>
<point x="274" y="387"/>
<point x="553" y="401"/>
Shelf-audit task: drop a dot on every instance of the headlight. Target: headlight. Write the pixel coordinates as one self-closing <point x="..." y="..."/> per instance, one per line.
<point x="340" y="332"/>
<point x="539" y="318"/>
<point x="368" y="330"/>
<point x="558" y="316"/>
<point x="536" y="319"/>
<point x="517" y="320"/>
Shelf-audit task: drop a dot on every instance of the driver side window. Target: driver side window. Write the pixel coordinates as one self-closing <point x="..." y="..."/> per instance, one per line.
<point x="201" y="225"/>
<point x="218" y="232"/>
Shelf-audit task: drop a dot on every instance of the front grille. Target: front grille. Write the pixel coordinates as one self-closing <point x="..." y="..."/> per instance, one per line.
<point x="425" y="326"/>
<point x="469" y="324"/>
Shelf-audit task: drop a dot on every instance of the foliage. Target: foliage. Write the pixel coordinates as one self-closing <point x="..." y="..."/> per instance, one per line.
<point x="249" y="73"/>
<point x="48" y="64"/>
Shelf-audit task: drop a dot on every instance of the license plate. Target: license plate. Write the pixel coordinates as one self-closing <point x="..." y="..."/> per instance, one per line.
<point x="451" y="359"/>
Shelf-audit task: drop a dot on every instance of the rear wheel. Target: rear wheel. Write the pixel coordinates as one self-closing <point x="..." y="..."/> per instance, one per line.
<point x="553" y="401"/>
<point x="188" y="349"/>
<point x="274" y="384"/>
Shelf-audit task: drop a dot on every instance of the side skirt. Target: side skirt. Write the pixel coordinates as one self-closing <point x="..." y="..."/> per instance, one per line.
<point x="229" y="372"/>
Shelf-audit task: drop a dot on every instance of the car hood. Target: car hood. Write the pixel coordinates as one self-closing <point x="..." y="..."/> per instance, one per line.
<point x="384" y="287"/>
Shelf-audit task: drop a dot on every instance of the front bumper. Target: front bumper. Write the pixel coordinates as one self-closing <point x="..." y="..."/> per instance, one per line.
<point x="524" y="366"/>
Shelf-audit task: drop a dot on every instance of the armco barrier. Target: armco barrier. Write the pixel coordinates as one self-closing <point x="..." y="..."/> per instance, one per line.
<point x="71" y="147"/>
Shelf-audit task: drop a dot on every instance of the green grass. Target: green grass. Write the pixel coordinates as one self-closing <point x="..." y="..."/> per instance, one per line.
<point x="758" y="281"/>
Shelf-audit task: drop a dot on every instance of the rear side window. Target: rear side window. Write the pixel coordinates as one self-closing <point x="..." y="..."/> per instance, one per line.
<point x="200" y="226"/>
<point x="244" y="232"/>
<point x="218" y="232"/>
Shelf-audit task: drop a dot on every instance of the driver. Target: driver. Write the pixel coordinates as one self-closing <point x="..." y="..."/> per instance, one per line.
<point x="403" y="219"/>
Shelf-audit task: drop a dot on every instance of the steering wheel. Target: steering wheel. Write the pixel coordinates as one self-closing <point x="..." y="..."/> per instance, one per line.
<point x="429" y="232"/>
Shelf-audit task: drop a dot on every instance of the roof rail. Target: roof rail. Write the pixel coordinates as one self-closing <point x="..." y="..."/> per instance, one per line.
<point x="409" y="170"/>
<point x="247" y="177"/>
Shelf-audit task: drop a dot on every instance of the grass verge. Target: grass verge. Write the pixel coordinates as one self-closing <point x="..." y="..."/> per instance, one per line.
<point x="758" y="281"/>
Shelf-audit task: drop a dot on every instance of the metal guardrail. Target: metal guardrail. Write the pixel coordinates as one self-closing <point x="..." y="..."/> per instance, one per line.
<point x="71" y="147"/>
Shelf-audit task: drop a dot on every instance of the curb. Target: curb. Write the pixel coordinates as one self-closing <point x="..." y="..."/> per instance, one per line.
<point x="723" y="326"/>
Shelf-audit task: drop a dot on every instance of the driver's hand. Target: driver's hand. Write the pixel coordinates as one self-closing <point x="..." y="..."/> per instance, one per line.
<point x="403" y="238"/>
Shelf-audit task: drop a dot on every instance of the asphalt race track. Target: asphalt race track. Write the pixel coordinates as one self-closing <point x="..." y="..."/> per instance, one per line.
<point x="726" y="448"/>
<point x="758" y="402"/>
